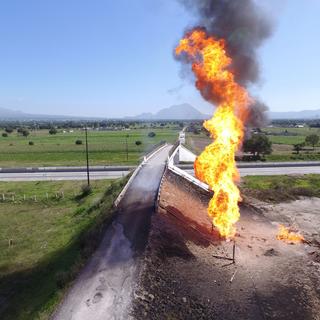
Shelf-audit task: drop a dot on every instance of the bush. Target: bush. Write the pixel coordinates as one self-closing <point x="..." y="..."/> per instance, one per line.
<point x="5" y="135"/>
<point x="8" y="129"/>
<point x="63" y="278"/>
<point x="25" y="132"/>
<point x="138" y="143"/>
<point x="85" y="190"/>
<point x="151" y="134"/>
<point x="31" y="143"/>
<point x="78" y="141"/>
<point x="53" y="131"/>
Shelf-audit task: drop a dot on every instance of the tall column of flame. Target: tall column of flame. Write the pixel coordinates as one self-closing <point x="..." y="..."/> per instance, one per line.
<point x="216" y="166"/>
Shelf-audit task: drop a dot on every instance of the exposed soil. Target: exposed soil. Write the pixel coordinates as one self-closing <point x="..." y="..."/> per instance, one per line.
<point x="186" y="276"/>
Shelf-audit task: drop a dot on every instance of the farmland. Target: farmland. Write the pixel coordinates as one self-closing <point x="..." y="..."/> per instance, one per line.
<point x="283" y="139"/>
<point x="46" y="234"/>
<point x="105" y="147"/>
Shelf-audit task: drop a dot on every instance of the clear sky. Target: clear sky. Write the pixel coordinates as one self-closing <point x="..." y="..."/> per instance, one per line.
<point x="114" y="58"/>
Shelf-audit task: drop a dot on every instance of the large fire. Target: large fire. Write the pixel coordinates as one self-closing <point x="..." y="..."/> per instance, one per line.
<point x="216" y="166"/>
<point x="287" y="235"/>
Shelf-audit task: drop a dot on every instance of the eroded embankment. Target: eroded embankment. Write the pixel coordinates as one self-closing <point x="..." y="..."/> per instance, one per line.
<point x="184" y="275"/>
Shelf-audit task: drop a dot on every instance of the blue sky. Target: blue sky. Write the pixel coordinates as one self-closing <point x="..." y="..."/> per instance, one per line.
<point x="114" y="58"/>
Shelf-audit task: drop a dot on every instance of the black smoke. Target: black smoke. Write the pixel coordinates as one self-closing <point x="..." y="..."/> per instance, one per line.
<point x="244" y="26"/>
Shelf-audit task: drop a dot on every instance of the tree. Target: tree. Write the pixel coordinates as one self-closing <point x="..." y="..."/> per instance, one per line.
<point x="53" y="131"/>
<point x="258" y="144"/>
<point x="298" y="147"/>
<point x="25" y="132"/>
<point x="5" y="135"/>
<point x="78" y="142"/>
<point x="138" y="143"/>
<point x="312" y="140"/>
<point x="31" y="143"/>
<point x="151" y="134"/>
<point x="8" y="129"/>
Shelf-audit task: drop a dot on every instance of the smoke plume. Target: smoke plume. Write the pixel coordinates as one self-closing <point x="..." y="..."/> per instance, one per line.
<point x="244" y="26"/>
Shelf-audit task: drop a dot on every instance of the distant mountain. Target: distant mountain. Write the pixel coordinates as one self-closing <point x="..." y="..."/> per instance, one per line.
<point x="177" y="112"/>
<point x="305" y="114"/>
<point x="7" y="114"/>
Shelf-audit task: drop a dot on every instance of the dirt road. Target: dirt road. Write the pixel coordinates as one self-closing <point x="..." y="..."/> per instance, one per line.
<point x="103" y="290"/>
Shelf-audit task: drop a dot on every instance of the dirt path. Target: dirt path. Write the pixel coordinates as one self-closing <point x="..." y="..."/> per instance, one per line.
<point x="103" y="290"/>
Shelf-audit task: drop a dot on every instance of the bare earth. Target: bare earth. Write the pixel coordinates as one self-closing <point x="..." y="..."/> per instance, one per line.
<point x="185" y="275"/>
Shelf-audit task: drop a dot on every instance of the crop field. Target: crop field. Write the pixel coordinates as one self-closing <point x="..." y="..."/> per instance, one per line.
<point x="105" y="147"/>
<point x="45" y="240"/>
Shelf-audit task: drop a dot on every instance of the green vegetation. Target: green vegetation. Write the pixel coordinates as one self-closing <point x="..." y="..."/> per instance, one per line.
<point x="105" y="147"/>
<point x="312" y="140"/>
<point x="288" y="143"/>
<point x="281" y="188"/>
<point x="47" y="231"/>
<point x="258" y="144"/>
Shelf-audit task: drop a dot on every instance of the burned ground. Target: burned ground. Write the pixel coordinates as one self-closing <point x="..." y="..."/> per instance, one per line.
<point x="184" y="278"/>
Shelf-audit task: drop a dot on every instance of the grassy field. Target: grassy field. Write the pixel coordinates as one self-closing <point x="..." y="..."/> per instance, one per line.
<point x="106" y="147"/>
<point x="282" y="144"/>
<point x="281" y="188"/>
<point x="43" y="243"/>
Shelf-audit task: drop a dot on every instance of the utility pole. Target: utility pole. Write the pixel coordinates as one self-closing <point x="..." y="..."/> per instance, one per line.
<point x="87" y="156"/>
<point x="127" y="147"/>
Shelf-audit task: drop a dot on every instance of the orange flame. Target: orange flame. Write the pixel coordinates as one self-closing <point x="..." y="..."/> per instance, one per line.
<point x="287" y="235"/>
<point x="216" y="166"/>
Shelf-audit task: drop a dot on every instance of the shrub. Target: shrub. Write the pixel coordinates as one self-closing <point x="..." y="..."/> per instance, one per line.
<point x="151" y="134"/>
<point x="9" y="129"/>
<point x="53" y="131"/>
<point x="25" y="132"/>
<point x="62" y="278"/>
<point x="138" y="143"/>
<point x="85" y="190"/>
<point x="5" y="135"/>
<point x="31" y="143"/>
<point x="78" y="141"/>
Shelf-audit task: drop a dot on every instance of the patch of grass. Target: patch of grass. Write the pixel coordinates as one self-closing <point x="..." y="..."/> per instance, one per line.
<point x="294" y="157"/>
<point x="291" y="140"/>
<point x="281" y="188"/>
<point x="43" y="244"/>
<point x="105" y="147"/>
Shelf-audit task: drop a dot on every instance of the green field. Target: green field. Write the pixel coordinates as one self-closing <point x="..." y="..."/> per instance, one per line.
<point x="281" y="188"/>
<point x="43" y="243"/>
<point x="282" y="138"/>
<point x="105" y="147"/>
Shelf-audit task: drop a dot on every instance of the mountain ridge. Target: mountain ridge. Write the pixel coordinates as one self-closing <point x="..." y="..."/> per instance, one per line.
<point x="183" y="111"/>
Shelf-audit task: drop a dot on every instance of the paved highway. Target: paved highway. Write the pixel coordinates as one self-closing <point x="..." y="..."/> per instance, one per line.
<point x="270" y="171"/>
<point x="47" y="176"/>
<point x="114" y="172"/>
<point x="100" y="175"/>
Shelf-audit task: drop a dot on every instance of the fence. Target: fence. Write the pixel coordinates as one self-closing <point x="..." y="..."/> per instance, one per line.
<point x="36" y="197"/>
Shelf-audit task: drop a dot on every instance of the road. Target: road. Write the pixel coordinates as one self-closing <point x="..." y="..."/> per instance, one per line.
<point x="48" y="176"/>
<point x="103" y="289"/>
<point x="99" y="175"/>
<point x="270" y="171"/>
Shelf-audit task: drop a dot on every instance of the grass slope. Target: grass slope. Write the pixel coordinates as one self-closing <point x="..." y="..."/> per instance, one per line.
<point x="43" y="244"/>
